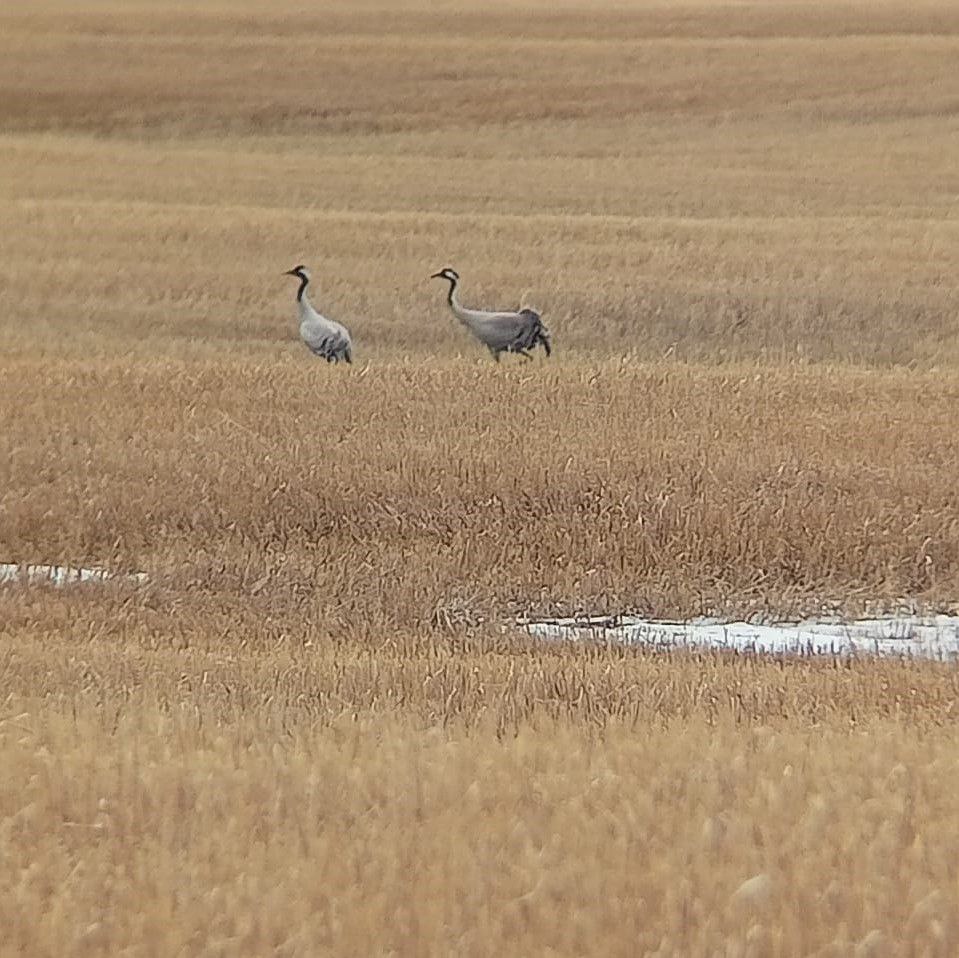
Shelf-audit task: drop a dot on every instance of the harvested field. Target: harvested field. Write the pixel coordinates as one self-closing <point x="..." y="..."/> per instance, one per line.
<point x="312" y="727"/>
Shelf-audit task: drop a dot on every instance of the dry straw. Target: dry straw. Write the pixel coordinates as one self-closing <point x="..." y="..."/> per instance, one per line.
<point x="309" y="732"/>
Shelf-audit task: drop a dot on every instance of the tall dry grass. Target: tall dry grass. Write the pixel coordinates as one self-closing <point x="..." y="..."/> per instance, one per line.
<point x="160" y="833"/>
<point x="315" y="730"/>
<point x="415" y="493"/>
<point x="246" y="795"/>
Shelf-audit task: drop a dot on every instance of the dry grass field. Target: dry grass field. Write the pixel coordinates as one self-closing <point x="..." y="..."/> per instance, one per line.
<point x="315" y="730"/>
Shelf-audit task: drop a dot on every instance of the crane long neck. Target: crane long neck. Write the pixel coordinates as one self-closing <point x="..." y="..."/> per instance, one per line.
<point x="453" y="300"/>
<point x="301" y="292"/>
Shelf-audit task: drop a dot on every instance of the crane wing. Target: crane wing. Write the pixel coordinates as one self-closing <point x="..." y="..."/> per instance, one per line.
<point x="504" y="327"/>
<point x="325" y="338"/>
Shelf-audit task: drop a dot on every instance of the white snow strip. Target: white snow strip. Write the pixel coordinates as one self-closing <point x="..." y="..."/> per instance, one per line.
<point x="932" y="637"/>
<point x="60" y="575"/>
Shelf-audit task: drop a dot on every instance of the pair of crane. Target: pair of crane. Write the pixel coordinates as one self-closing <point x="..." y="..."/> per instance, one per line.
<point x="499" y="332"/>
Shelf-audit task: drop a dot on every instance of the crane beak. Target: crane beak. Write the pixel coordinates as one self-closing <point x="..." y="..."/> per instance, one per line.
<point x="289" y="272"/>
<point x="438" y="276"/>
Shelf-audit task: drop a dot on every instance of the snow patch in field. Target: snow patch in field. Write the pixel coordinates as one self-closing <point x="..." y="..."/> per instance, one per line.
<point x="915" y="636"/>
<point x="60" y="575"/>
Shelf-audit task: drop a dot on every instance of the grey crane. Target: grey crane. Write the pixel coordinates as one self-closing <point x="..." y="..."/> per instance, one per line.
<point x="325" y="338"/>
<point x="506" y="332"/>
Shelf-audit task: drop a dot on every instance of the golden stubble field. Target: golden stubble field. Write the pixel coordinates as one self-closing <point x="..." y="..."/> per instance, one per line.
<point x="314" y="730"/>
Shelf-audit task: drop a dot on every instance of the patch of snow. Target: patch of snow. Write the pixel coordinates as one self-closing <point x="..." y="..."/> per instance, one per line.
<point x="60" y="575"/>
<point x="932" y="637"/>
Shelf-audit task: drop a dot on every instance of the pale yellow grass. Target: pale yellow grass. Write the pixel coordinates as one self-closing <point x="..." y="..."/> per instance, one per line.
<point x="162" y="834"/>
<point x="704" y="180"/>
<point x="316" y="730"/>
<point x="428" y="797"/>
<point x="398" y="492"/>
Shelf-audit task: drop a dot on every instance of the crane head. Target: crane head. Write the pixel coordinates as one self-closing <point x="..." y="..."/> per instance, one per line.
<point x="448" y="274"/>
<point x="298" y="271"/>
